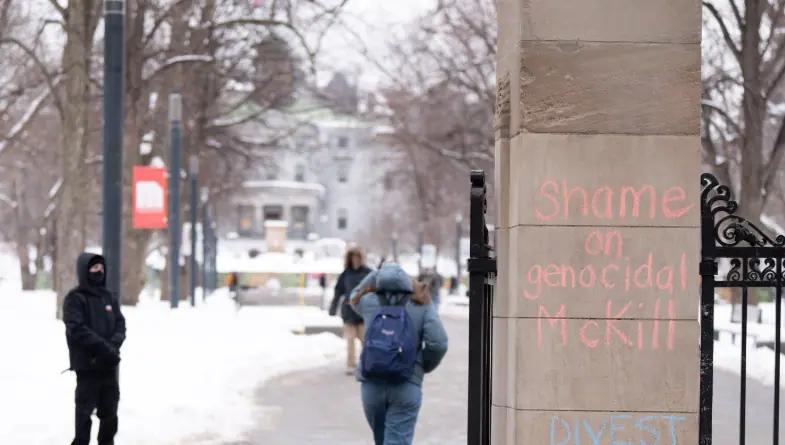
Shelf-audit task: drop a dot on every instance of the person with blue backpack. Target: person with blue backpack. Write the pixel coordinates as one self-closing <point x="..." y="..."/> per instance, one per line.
<point x="404" y="340"/>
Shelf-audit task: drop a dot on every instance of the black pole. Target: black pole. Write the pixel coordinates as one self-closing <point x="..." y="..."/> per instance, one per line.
<point x="205" y="241"/>
<point x="213" y="256"/>
<point x="175" y="237"/>
<point x="482" y="270"/>
<point x="193" y="176"/>
<point x="114" y="12"/>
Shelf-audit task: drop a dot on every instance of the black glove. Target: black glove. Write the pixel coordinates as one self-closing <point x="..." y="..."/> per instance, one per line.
<point x="333" y="311"/>
<point x="112" y="357"/>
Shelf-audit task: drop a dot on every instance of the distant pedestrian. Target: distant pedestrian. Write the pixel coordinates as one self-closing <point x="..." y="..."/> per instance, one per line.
<point x="95" y="331"/>
<point x="435" y="282"/>
<point x="233" y="283"/>
<point x="405" y="339"/>
<point x="355" y="271"/>
<point x="323" y="286"/>
<point x="455" y="284"/>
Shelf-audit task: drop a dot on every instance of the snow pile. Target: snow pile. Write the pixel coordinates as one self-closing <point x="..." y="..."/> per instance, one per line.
<point x="188" y="376"/>
<point x="760" y="361"/>
<point x="727" y="351"/>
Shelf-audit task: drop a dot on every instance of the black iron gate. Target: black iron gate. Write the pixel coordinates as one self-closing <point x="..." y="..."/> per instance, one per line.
<point x="735" y="254"/>
<point x="482" y="273"/>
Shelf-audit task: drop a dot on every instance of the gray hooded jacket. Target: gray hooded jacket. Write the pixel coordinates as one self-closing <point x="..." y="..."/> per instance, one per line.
<point x="433" y="337"/>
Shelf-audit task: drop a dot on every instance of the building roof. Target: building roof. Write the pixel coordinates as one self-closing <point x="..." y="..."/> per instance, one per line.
<point x="316" y="188"/>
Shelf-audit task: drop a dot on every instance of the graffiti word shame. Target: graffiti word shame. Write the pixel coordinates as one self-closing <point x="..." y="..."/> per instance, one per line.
<point x="560" y="201"/>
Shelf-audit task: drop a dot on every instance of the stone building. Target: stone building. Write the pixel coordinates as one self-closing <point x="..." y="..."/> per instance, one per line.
<point x="327" y="180"/>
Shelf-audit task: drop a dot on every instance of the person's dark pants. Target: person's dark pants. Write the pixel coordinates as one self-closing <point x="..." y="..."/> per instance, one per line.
<point x="96" y="392"/>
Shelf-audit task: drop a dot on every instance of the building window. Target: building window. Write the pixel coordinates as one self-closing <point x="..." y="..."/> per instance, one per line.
<point x="343" y="172"/>
<point x="298" y="227"/>
<point x="271" y="173"/>
<point x="343" y="219"/>
<point x="246" y="215"/>
<point x="273" y="213"/>
<point x="343" y="142"/>
<point x="299" y="173"/>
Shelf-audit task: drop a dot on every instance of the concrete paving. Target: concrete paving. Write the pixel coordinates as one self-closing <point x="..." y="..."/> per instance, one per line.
<point x="322" y="406"/>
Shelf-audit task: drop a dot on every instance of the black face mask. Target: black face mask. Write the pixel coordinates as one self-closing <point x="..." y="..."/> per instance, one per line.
<point x="96" y="278"/>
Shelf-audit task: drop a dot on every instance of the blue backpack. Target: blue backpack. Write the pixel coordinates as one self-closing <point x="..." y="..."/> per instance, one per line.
<point x="391" y="343"/>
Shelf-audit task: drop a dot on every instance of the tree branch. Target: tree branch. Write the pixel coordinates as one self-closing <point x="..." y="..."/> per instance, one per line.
<point x="728" y="119"/>
<point x="725" y="32"/>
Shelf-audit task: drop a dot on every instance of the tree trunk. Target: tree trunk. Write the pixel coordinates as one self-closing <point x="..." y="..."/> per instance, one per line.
<point x="81" y="19"/>
<point x="753" y="109"/>
<point x="134" y="241"/>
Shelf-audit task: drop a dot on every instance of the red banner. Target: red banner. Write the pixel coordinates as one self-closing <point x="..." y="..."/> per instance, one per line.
<point x="149" y="198"/>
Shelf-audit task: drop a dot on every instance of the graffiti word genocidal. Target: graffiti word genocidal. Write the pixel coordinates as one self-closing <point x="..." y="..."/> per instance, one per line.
<point x="605" y="266"/>
<point x="617" y="429"/>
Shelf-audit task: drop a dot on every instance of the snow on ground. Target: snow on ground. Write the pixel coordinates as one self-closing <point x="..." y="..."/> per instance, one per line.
<point x="455" y="306"/>
<point x="187" y="377"/>
<point x="727" y="350"/>
<point x="760" y="360"/>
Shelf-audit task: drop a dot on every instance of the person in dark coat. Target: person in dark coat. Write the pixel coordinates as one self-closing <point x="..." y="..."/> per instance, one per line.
<point x="95" y="332"/>
<point x="434" y="281"/>
<point x="355" y="271"/>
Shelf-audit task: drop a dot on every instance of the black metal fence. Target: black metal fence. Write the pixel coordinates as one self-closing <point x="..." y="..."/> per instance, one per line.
<point x="482" y="274"/>
<point x="738" y="255"/>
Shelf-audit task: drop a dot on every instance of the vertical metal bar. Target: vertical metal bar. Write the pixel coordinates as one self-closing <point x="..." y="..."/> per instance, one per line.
<point x="743" y="394"/>
<point x="708" y="270"/>
<point x="175" y="160"/>
<point x="476" y="288"/>
<point x="114" y="19"/>
<point x="458" y="235"/>
<point x="487" y="365"/>
<point x="777" y="348"/>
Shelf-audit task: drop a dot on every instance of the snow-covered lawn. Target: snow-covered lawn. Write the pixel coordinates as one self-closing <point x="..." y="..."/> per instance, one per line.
<point x="188" y="376"/>
<point x="727" y="350"/>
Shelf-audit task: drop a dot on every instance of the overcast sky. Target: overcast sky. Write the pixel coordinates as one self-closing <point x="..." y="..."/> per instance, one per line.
<point x="376" y="21"/>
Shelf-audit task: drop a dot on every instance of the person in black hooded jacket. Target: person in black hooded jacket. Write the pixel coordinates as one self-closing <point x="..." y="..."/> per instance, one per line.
<point x="95" y="331"/>
<point x="355" y="271"/>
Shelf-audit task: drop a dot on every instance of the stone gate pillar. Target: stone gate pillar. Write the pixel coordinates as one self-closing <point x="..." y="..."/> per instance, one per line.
<point x="597" y="175"/>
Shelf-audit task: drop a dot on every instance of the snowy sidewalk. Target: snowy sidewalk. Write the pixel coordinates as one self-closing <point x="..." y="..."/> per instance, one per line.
<point x="188" y="376"/>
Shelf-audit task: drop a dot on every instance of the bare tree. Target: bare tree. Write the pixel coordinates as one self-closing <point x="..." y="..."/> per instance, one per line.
<point x="743" y="116"/>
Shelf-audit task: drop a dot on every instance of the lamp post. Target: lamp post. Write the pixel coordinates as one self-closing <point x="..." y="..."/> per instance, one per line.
<point x="205" y="224"/>
<point x="193" y="177"/>
<point x="175" y="228"/>
<point x="114" y="19"/>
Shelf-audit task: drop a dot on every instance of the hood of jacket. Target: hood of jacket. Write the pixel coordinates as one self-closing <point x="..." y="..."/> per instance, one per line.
<point x="391" y="278"/>
<point x="83" y="264"/>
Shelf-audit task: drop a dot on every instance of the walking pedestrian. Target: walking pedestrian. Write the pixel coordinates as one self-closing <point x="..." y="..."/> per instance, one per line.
<point x="233" y="283"/>
<point x="405" y="339"/>
<point x="355" y="271"/>
<point x="95" y="332"/>
<point x="434" y="281"/>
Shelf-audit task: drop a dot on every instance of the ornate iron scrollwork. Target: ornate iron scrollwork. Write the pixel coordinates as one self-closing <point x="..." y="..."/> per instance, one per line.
<point x="731" y="230"/>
